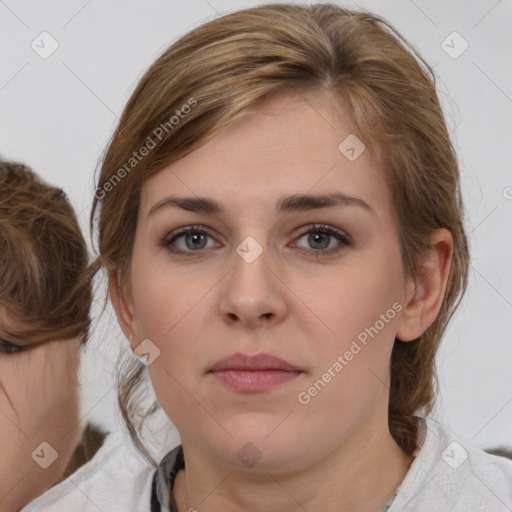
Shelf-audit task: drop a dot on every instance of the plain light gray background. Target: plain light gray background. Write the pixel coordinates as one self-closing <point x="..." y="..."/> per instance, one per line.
<point x="57" y="114"/>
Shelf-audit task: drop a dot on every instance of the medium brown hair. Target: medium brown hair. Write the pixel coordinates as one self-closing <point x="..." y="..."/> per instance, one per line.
<point x="226" y="68"/>
<point x="46" y="288"/>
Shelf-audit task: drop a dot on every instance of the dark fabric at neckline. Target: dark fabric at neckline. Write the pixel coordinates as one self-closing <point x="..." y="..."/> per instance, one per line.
<point x="163" y="480"/>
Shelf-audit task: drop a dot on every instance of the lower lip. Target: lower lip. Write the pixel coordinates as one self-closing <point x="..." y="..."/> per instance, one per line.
<point x="256" y="380"/>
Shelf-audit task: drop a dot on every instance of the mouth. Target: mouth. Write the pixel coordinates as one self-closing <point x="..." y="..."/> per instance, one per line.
<point x="245" y="373"/>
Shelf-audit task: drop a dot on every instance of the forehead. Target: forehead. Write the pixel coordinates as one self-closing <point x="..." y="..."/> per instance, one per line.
<point x="289" y="145"/>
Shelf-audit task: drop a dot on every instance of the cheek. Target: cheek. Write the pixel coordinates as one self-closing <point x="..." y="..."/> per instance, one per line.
<point x="362" y="312"/>
<point x="48" y="400"/>
<point x="169" y="301"/>
<point x="177" y="311"/>
<point x="12" y="436"/>
<point x="173" y="311"/>
<point x="347" y="301"/>
<point x="39" y="399"/>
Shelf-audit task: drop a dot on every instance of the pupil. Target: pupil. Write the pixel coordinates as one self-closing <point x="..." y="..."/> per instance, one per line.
<point x="313" y="238"/>
<point x="195" y="237"/>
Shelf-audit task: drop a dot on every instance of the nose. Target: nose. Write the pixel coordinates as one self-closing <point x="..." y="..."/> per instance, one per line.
<point x="253" y="295"/>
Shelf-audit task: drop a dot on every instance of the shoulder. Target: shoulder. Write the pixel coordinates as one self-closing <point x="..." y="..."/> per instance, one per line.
<point x="451" y="474"/>
<point x="118" y="479"/>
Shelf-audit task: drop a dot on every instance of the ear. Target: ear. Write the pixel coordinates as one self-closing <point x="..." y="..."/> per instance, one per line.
<point x="427" y="289"/>
<point x="124" y="309"/>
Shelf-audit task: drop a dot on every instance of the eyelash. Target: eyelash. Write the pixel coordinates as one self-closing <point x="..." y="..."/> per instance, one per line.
<point x="10" y="348"/>
<point x="312" y="228"/>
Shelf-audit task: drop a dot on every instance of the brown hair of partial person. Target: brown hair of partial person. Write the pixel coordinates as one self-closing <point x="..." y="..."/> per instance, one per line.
<point x="46" y="291"/>
<point x="501" y="452"/>
<point x="46" y="287"/>
<point x="226" y="68"/>
<point x="92" y="440"/>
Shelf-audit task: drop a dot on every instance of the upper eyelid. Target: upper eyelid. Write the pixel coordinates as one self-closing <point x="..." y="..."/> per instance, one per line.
<point x="17" y="348"/>
<point x="7" y="342"/>
<point x="303" y="229"/>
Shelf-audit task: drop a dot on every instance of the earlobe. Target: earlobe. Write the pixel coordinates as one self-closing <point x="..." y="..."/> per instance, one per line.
<point x="124" y="310"/>
<point x="427" y="289"/>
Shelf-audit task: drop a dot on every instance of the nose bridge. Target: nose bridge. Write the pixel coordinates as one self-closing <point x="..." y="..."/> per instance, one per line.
<point x="250" y="250"/>
<point x="251" y="288"/>
<point x="251" y="264"/>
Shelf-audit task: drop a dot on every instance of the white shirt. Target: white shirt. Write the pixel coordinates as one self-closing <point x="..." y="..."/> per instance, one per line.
<point x="447" y="475"/>
<point x="117" y="479"/>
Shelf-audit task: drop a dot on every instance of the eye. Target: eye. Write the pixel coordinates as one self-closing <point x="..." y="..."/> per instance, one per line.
<point x="320" y="237"/>
<point x="6" y="347"/>
<point x="192" y="239"/>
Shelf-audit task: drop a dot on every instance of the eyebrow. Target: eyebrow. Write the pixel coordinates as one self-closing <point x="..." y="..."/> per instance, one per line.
<point x="289" y="204"/>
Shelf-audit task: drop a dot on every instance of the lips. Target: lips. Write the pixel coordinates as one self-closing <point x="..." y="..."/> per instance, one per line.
<point x="244" y="373"/>
<point x="253" y="363"/>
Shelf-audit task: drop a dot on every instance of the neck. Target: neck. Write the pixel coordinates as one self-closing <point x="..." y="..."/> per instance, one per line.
<point x="359" y="475"/>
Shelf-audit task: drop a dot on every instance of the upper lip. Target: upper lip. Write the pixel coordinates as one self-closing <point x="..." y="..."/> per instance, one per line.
<point x="256" y="362"/>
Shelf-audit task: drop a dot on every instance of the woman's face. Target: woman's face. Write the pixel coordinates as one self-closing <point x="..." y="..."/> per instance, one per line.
<point x="317" y="283"/>
<point x="39" y="419"/>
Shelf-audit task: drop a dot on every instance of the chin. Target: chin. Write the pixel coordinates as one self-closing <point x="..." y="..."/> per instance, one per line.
<point x="264" y="444"/>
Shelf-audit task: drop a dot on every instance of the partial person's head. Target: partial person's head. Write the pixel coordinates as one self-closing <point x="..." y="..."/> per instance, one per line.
<point x="45" y="299"/>
<point x="257" y="106"/>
